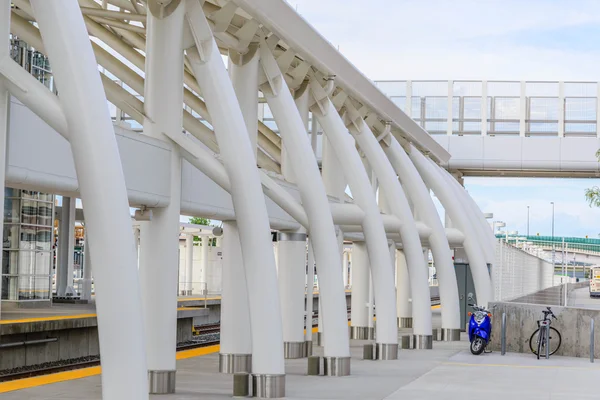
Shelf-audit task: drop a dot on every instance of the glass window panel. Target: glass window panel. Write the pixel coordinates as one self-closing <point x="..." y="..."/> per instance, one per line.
<point x="41" y="288"/>
<point x="543" y="127"/>
<point x="502" y="126"/>
<point x="271" y="125"/>
<point x="10" y="237"/>
<point x="472" y="126"/>
<point x="467" y="88"/>
<point x="472" y="107"/>
<point x="455" y="107"/>
<point x="5" y="287"/>
<point x="436" y="107"/>
<point x="400" y="101"/>
<point x="392" y="88"/>
<point x="549" y="89"/>
<point x="28" y="237"/>
<point x="26" y="262"/>
<point x="507" y="108"/>
<point x="543" y="108"/>
<point x="581" y="89"/>
<point x="504" y="89"/>
<point x="580" y="109"/>
<point x="10" y="261"/>
<point x="29" y="211"/>
<point x="430" y="88"/>
<point x="11" y="210"/>
<point x="436" y="126"/>
<point x="43" y="261"/>
<point x="416" y="108"/>
<point x="46" y="197"/>
<point x="28" y="194"/>
<point x="10" y="192"/>
<point x="44" y="214"/>
<point x="580" y="127"/>
<point x="43" y="238"/>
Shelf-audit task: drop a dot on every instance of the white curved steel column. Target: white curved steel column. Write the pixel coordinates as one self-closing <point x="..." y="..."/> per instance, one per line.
<point x="435" y="180"/>
<point x="247" y="197"/>
<point x="103" y="191"/>
<point x="403" y="302"/>
<point x="419" y="193"/>
<point x="291" y="254"/>
<point x="314" y="200"/>
<point x="411" y="243"/>
<point x="374" y="232"/>
<point x="359" y="312"/>
<point x="159" y="238"/>
<point x="243" y="70"/>
<point x="236" y="350"/>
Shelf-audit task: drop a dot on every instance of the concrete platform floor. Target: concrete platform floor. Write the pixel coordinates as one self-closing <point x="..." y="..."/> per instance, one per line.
<point x="449" y="371"/>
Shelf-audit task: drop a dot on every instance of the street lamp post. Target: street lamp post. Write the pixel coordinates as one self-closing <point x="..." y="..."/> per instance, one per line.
<point x="553" y="246"/>
<point x="527" y="220"/>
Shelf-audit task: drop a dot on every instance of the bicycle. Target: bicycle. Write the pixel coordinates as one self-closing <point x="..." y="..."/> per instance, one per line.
<point x="554" y="337"/>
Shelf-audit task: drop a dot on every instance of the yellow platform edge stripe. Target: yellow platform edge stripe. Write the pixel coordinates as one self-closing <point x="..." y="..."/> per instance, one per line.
<point x="87" y="372"/>
<point x="93" y="371"/>
<point x="66" y="317"/>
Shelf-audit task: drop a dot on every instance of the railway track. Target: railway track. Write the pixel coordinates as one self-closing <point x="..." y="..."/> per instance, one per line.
<point x="70" y="365"/>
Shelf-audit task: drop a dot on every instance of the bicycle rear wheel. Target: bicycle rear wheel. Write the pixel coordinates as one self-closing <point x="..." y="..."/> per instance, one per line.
<point x="555" y="342"/>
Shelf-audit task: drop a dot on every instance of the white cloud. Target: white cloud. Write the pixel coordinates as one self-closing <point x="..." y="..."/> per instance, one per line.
<point x="463" y="39"/>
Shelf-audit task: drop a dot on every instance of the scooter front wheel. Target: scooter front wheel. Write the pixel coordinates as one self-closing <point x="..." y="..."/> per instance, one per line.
<point x="477" y="346"/>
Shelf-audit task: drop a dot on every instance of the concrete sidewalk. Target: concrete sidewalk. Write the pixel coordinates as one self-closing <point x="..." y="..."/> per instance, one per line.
<point x="447" y="372"/>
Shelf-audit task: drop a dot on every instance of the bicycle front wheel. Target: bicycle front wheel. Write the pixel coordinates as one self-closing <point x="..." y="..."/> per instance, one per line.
<point x="555" y="342"/>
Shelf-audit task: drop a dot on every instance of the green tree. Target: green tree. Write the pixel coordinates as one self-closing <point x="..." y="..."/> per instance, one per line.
<point x="205" y="222"/>
<point x="200" y="221"/>
<point x="592" y="195"/>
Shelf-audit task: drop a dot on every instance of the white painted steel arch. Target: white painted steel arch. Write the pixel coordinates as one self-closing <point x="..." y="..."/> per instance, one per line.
<point x="102" y="188"/>
<point x="398" y="204"/>
<point x="375" y="238"/>
<point x="418" y="192"/>
<point x="314" y="199"/>
<point x="246" y="193"/>
<point x="433" y="178"/>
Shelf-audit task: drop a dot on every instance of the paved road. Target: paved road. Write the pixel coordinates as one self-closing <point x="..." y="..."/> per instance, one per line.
<point x="581" y="298"/>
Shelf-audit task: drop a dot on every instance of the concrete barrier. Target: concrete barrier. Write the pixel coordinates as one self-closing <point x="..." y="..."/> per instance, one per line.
<point x="552" y="296"/>
<point x="572" y="323"/>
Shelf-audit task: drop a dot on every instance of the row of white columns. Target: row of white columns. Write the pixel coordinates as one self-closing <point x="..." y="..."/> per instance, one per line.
<point x="257" y="302"/>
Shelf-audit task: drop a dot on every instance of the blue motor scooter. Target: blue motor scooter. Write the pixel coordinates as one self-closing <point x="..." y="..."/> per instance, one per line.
<point x="480" y="329"/>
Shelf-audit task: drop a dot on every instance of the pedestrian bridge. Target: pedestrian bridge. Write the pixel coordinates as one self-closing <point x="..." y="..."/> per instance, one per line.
<point x="507" y="128"/>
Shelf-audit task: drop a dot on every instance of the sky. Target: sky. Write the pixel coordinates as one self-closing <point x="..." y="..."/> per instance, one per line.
<point x="482" y="39"/>
<point x="462" y="39"/>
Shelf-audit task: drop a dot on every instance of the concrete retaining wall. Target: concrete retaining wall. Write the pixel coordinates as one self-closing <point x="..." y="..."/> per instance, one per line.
<point x="75" y="338"/>
<point x="572" y="323"/>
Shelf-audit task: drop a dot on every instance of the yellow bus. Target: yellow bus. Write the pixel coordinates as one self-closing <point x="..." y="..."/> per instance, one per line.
<point x="595" y="282"/>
